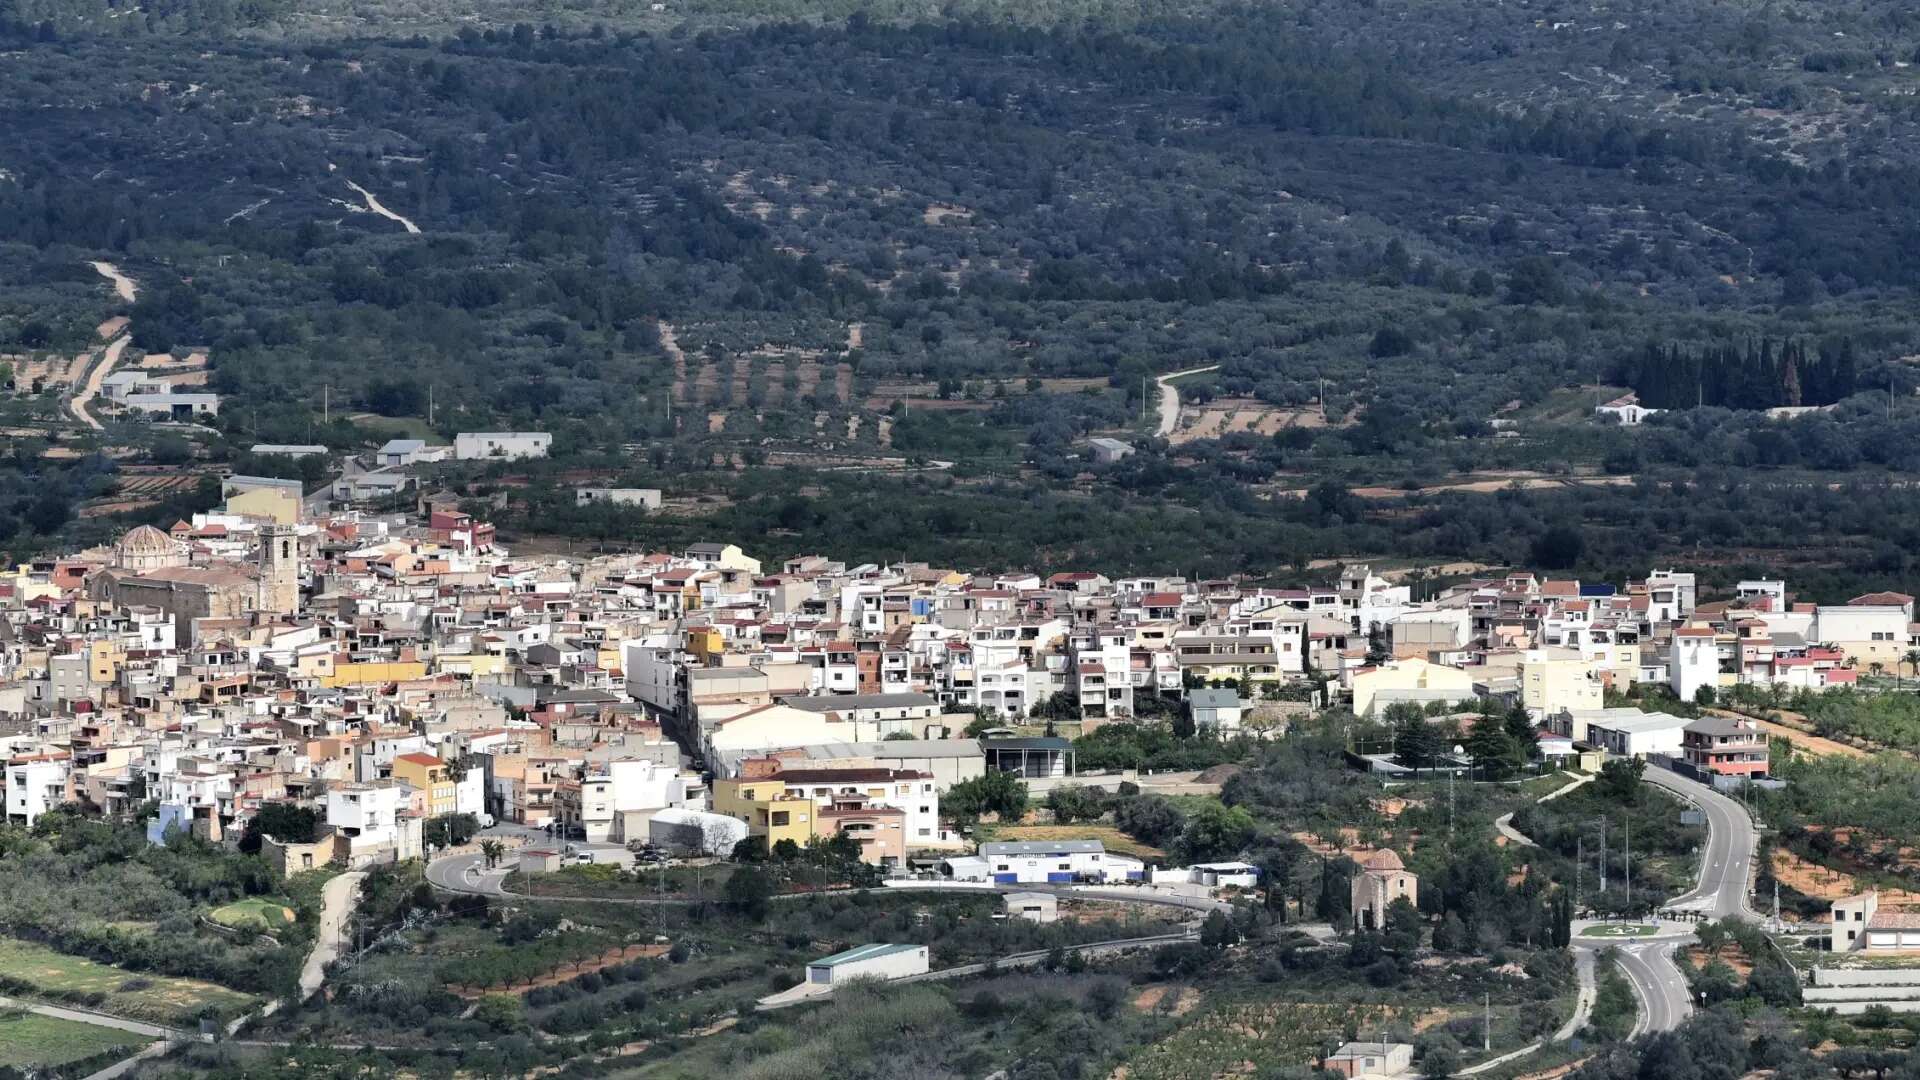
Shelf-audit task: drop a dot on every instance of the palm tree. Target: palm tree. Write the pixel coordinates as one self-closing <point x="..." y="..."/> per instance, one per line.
<point x="492" y="850"/>
<point x="1877" y="669"/>
<point x="1912" y="660"/>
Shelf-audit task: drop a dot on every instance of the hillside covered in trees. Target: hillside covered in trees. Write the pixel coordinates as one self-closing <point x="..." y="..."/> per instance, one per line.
<point x="732" y="249"/>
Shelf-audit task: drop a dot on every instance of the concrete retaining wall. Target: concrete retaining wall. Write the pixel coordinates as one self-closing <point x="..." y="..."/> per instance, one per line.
<point x="1040" y="786"/>
<point x="1823" y="976"/>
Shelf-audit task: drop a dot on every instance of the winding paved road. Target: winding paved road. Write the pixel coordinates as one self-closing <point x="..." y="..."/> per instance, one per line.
<point x="1657" y="983"/>
<point x="1723" y="891"/>
<point x="1170" y="398"/>
<point x="1726" y="865"/>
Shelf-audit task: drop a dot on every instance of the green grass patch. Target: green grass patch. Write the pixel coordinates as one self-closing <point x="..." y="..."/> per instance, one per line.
<point x="254" y="913"/>
<point x="28" y="1041"/>
<point x="394" y="427"/>
<point x="31" y="968"/>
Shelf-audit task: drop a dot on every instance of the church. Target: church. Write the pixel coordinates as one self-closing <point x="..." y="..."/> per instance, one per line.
<point x="151" y="569"/>
<point x="1382" y="879"/>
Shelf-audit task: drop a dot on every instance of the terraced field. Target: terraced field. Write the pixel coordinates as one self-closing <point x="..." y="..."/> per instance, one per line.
<point x="160" y="998"/>
<point x="29" y="1042"/>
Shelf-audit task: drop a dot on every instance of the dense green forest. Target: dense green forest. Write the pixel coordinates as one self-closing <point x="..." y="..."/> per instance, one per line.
<point x="733" y="250"/>
<point x="1756" y="376"/>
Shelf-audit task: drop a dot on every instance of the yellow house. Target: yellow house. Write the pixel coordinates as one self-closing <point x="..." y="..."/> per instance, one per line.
<point x="470" y="664"/>
<point x="609" y="658"/>
<point x="103" y="662"/>
<point x="29" y="586"/>
<point x="705" y="643"/>
<point x="1549" y="684"/>
<point x="424" y="772"/>
<point x="314" y="664"/>
<point x="372" y="674"/>
<point x="766" y="808"/>
<point x="277" y="505"/>
<point x="1411" y="680"/>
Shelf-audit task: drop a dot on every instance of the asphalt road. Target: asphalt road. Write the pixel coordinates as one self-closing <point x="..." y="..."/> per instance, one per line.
<point x="468" y="874"/>
<point x="1657" y="983"/>
<point x="1724" y="890"/>
<point x="1726" y="866"/>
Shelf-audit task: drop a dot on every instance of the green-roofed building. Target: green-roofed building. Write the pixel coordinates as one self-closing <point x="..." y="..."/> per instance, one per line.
<point x="879" y="961"/>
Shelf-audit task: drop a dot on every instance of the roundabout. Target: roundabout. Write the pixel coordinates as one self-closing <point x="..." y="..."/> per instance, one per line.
<point x="1620" y="930"/>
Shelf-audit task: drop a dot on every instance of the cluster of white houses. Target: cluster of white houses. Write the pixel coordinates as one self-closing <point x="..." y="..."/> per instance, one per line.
<point x="391" y="668"/>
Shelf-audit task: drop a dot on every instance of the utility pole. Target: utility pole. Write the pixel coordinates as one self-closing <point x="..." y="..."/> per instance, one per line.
<point x="1579" y="865"/>
<point x="1603" y="854"/>
<point x="430" y="388"/>
<point x="1629" y="869"/>
<point x="1486" y="1040"/>
<point x="326" y="403"/>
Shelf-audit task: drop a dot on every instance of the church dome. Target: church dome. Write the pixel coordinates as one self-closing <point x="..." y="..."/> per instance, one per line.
<point x="1383" y="860"/>
<point x="147" y="548"/>
<point x="145" y="540"/>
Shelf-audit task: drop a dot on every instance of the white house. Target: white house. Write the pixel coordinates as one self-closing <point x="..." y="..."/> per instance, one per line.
<point x="1867" y="633"/>
<point x="35" y="785"/>
<point x="1035" y="907"/>
<point x="1219" y="710"/>
<point x="372" y="818"/>
<point x="695" y="830"/>
<point x="1219" y="875"/>
<point x="174" y="406"/>
<point x="501" y="445"/>
<point x="1693" y="661"/>
<point x="1626" y="409"/>
<point x="399" y="453"/>
<point x="1031" y="861"/>
<point x="912" y="793"/>
<point x="1764" y="591"/>
<point x="879" y="961"/>
<point x="1670" y="595"/>
<point x="644" y="498"/>
<point x="1356" y="1059"/>
<point x="1637" y="735"/>
<point x="1107" y="451"/>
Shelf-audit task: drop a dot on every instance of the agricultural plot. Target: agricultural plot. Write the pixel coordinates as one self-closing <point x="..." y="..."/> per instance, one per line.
<point x="1237" y="1037"/>
<point x="1227" y="416"/>
<point x="29" y="1042"/>
<point x="29" y="968"/>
